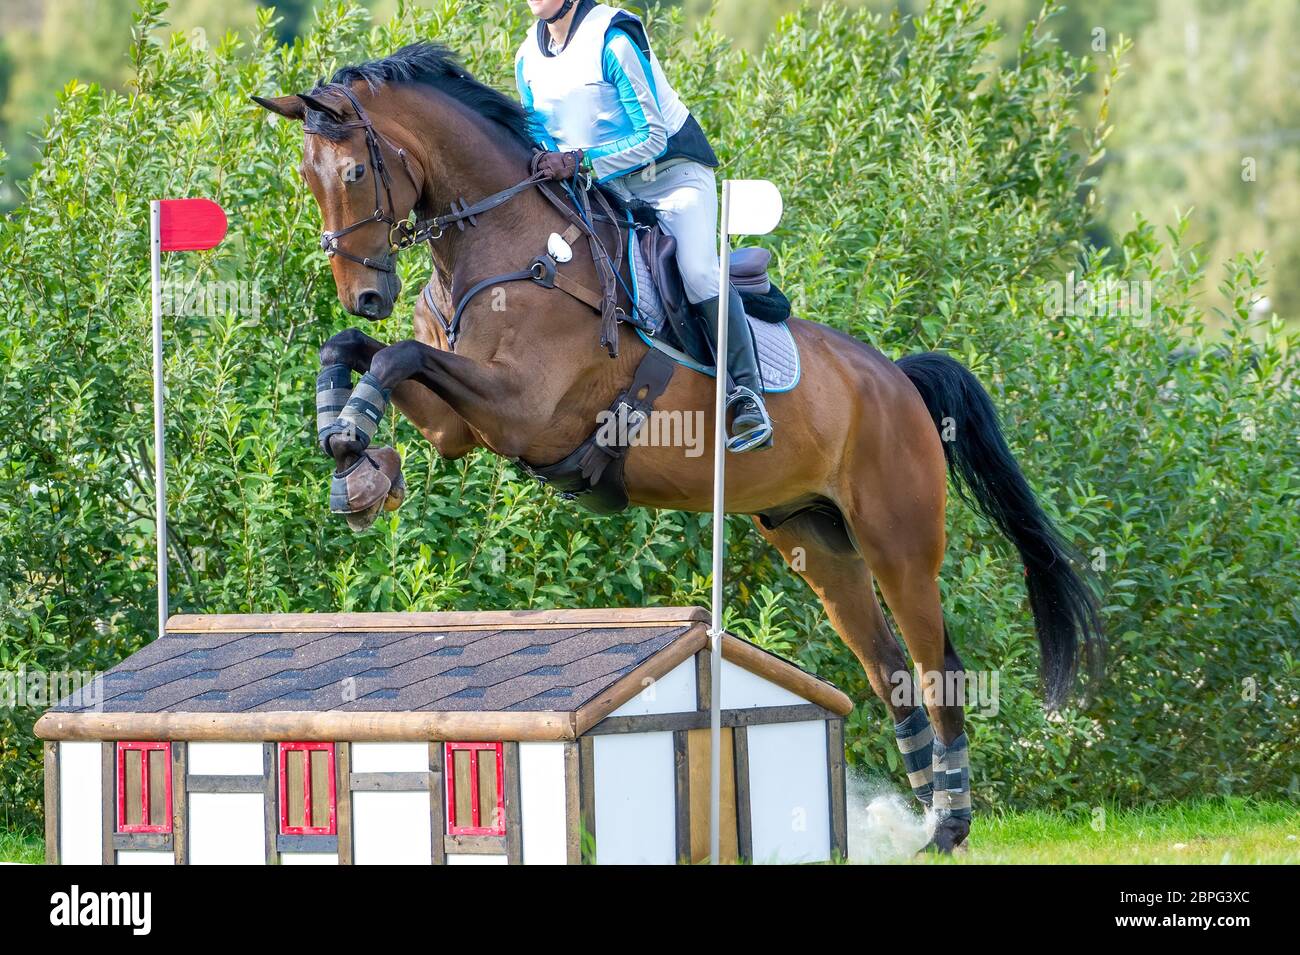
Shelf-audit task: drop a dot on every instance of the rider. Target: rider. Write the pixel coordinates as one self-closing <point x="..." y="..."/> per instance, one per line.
<point x="597" y="97"/>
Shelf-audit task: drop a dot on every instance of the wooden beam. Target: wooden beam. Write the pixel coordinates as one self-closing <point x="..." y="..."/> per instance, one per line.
<point x="443" y="620"/>
<point x="476" y="845"/>
<point x="108" y="801"/>
<point x="51" y="803"/>
<point x="389" y="782"/>
<point x="437" y="803"/>
<point x="659" y="665"/>
<point x="838" y="795"/>
<point x="325" y="726"/>
<point x="744" y="807"/>
<point x="693" y="720"/>
<point x="303" y="843"/>
<point x="223" y="784"/>
<point x="512" y="795"/>
<point x="682" y="796"/>
<point x="180" y="805"/>
<point x="572" y="805"/>
<point x="270" y="800"/>
<point x="771" y="667"/>
<point x="343" y="795"/>
<point x="144" y="841"/>
<point x="587" y="799"/>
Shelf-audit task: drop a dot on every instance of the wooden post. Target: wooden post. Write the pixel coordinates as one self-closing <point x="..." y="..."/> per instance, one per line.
<point x="572" y="805"/>
<point x="51" y="803"/>
<point x="744" y="812"/>
<point x="514" y="833"/>
<point x="180" y="805"/>
<point x="343" y="794"/>
<point x="437" y="804"/>
<point x="108" y="800"/>
<point x="587" y="798"/>
<point x="682" y="794"/>
<point x="838" y="794"/>
<point x="270" y="800"/>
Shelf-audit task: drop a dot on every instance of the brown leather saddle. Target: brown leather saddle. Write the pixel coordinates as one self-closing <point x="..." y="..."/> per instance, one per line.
<point x="665" y="311"/>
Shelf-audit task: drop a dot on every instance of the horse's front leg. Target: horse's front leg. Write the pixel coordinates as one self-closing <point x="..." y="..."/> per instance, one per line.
<point x="478" y="394"/>
<point x="352" y="351"/>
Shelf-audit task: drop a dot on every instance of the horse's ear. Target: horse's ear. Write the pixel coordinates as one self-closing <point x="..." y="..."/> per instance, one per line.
<point x="291" y="107"/>
<point x="331" y="104"/>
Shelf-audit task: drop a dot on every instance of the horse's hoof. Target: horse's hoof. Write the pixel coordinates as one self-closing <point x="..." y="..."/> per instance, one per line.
<point x="360" y="487"/>
<point x="363" y="519"/>
<point x="390" y="462"/>
<point x="396" y="494"/>
<point x="949" y="834"/>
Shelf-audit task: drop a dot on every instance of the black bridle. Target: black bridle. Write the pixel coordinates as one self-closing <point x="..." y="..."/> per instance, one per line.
<point x="403" y="233"/>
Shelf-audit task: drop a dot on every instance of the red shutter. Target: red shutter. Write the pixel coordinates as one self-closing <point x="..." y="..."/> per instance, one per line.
<point x="475" y="789"/>
<point x="308" y="817"/>
<point x="144" y="793"/>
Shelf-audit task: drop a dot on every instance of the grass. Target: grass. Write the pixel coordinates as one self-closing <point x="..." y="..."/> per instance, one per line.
<point x="1212" y="831"/>
<point x="1208" y="831"/>
<point x="21" y="845"/>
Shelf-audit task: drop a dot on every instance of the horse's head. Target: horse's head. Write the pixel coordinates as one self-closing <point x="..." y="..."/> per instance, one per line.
<point x="365" y="185"/>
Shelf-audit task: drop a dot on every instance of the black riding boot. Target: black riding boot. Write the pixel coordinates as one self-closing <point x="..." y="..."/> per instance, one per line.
<point x="750" y="425"/>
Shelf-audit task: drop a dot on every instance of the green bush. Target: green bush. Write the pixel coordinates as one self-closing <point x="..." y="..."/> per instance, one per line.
<point x="932" y="200"/>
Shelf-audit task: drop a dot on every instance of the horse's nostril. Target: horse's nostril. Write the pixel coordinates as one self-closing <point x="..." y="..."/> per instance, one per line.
<point x="370" y="303"/>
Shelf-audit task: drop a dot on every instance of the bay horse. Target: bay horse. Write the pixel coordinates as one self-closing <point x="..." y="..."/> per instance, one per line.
<point x="854" y="489"/>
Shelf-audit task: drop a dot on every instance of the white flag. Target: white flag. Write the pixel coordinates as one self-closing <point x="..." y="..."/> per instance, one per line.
<point x="755" y="207"/>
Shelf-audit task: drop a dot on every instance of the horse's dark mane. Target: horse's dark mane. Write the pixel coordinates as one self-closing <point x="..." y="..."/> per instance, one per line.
<point x="434" y="65"/>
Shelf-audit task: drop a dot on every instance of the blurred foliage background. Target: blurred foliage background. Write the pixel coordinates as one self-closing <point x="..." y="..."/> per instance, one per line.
<point x="944" y="174"/>
<point x="1212" y="94"/>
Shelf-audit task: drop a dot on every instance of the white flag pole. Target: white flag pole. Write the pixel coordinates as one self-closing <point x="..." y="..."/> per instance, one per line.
<point x="757" y="213"/>
<point x="159" y="452"/>
<point x="719" y="537"/>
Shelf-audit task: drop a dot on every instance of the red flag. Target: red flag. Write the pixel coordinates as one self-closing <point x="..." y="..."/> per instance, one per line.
<point x="188" y="224"/>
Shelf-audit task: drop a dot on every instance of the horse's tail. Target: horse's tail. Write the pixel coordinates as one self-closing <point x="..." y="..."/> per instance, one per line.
<point x="987" y="476"/>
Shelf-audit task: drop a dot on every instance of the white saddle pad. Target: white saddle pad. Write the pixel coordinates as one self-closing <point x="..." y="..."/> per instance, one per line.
<point x="778" y="355"/>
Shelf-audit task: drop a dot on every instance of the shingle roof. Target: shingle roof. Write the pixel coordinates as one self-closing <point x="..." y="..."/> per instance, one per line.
<point x="486" y="665"/>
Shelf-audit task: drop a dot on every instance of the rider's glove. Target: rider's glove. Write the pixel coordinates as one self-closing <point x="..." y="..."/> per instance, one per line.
<point x="558" y="165"/>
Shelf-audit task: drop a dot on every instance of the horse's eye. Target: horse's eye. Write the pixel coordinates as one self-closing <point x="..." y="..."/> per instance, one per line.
<point x="354" y="173"/>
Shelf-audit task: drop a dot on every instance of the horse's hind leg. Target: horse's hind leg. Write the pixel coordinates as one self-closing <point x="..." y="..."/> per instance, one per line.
<point x="842" y="582"/>
<point x="906" y="565"/>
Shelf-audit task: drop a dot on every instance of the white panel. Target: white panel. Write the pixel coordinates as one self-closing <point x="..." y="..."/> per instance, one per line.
<point x="742" y="690"/>
<point x="789" y="800"/>
<point x="391" y="828"/>
<point x="474" y="858"/>
<point x="390" y="757"/>
<point x="224" y="759"/>
<point x="227" y="829"/>
<point x="309" y="858"/>
<point x="635" y="792"/>
<point x="541" y="804"/>
<point x="80" y="810"/>
<point x="133" y="857"/>
<point x="674" y="692"/>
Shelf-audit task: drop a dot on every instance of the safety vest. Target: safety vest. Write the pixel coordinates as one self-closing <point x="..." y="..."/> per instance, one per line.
<point x="605" y="93"/>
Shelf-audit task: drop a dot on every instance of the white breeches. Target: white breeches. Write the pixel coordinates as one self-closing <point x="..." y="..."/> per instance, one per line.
<point x="686" y="197"/>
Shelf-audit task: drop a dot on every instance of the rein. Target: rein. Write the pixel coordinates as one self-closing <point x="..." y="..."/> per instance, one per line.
<point x="405" y="233"/>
